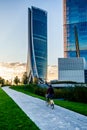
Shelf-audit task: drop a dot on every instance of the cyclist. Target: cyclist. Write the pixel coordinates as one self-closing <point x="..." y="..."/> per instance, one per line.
<point x="50" y="95"/>
<point x="50" y="92"/>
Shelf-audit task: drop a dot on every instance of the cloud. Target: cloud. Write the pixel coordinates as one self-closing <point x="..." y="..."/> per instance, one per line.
<point x="10" y="70"/>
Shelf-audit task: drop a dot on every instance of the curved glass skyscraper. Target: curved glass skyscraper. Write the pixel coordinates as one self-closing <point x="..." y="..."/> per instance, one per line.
<point x="37" y="43"/>
<point x="75" y="20"/>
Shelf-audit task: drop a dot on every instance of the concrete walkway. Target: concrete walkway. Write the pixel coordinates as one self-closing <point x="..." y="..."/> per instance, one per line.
<point x="46" y="118"/>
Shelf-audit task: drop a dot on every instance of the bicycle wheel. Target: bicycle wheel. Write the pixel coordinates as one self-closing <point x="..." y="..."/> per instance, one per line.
<point x="52" y="104"/>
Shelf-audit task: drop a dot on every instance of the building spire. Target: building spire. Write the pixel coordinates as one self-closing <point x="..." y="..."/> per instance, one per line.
<point x="76" y="42"/>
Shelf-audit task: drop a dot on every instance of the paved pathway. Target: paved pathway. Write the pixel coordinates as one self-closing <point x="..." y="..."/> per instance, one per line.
<point x="46" y="118"/>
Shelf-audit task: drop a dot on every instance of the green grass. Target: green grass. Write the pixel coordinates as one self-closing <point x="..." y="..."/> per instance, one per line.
<point x="12" y="117"/>
<point x="74" y="106"/>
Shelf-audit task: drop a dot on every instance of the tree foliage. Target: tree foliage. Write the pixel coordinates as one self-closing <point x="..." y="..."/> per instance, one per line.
<point x="2" y="81"/>
<point x="25" y="78"/>
<point x="16" y="80"/>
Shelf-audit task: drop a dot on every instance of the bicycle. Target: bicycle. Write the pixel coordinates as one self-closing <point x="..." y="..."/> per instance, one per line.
<point x="49" y="101"/>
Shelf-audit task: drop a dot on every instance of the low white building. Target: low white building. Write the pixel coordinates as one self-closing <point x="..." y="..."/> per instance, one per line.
<point x="71" y="69"/>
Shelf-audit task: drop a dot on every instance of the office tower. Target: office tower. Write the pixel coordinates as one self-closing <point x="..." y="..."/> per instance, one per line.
<point x="37" y="43"/>
<point x="75" y="28"/>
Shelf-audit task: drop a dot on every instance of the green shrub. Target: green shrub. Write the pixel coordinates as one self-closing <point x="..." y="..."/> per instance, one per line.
<point x="58" y="93"/>
<point x="80" y="94"/>
<point x="40" y="91"/>
<point x="77" y="94"/>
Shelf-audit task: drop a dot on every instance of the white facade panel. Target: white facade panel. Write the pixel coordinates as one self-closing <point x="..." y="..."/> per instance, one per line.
<point x="71" y="63"/>
<point x="71" y="69"/>
<point x="72" y="75"/>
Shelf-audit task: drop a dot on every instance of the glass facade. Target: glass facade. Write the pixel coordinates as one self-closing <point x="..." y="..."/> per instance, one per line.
<point x="37" y="42"/>
<point x="75" y="15"/>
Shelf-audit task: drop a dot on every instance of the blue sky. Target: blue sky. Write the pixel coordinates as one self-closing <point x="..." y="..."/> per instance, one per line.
<point x="14" y="29"/>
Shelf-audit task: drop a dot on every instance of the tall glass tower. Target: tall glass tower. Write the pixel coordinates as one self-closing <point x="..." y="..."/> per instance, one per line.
<point x="37" y="43"/>
<point x="75" y="27"/>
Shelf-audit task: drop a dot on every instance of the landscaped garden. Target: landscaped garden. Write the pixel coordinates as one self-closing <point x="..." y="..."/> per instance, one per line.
<point x="12" y="117"/>
<point x="72" y="98"/>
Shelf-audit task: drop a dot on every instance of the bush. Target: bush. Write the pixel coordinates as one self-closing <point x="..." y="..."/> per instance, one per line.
<point x="40" y="91"/>
<point x="58" y="93"/>
<point x="80" y="94"/>
<point x="77" y="94"/>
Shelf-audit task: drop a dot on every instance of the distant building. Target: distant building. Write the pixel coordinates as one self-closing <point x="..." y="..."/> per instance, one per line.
<point x="71" y="69"/>
<point x="37" y="44"/>
<point x="75" y="15"/>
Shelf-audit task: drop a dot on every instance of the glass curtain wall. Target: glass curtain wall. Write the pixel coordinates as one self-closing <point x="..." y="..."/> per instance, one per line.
<point x="75" y="15"/>
<point x="37" y="40"/>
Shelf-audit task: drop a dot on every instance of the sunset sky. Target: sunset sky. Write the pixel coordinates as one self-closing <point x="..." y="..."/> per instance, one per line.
<point x="9" y="71"/>
<point x="14" y="29"/>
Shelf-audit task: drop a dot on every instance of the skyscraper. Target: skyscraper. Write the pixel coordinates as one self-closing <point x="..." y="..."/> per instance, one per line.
<point x="75" y="28"/>
<point x="37" y="43"/>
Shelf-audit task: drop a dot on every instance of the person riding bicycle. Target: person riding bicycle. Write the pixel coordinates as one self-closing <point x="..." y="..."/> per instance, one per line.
<point x="50" y="92"/>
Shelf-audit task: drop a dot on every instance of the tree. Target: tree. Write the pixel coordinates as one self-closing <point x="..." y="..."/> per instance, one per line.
<point x="2" y="81"/>
<point x="25" y="78"/>
<point x="16" y="80"/>
<point x="7" y="82"/>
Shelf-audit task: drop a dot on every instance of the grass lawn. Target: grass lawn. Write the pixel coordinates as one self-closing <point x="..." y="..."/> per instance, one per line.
<point x="74" y="106"/>
<point x="12" y="117"/>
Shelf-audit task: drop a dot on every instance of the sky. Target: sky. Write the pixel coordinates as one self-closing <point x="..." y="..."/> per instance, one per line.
<point x="14" y="29"/>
